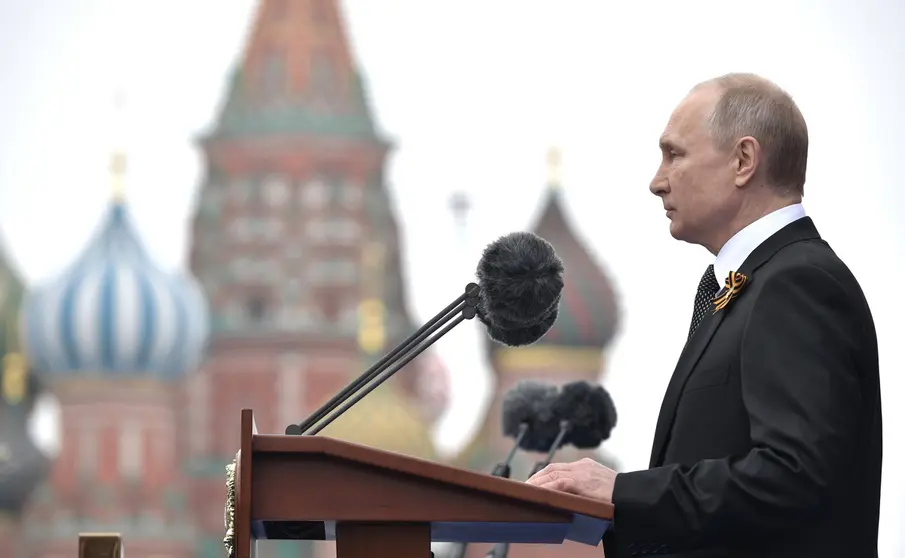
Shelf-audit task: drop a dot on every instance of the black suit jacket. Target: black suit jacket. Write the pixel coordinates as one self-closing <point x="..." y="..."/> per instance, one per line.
<point x="769" y="441"/>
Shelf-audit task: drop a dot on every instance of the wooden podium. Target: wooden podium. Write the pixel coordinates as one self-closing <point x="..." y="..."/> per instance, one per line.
<point x="378" y="504"/>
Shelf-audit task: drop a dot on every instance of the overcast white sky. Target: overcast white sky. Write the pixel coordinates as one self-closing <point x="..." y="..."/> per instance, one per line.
<point x="474" y="92"/>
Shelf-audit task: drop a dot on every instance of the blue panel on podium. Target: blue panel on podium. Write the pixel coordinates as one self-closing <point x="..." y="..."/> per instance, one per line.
<point x="582" y="529"/>
<point x="527" y="533"/>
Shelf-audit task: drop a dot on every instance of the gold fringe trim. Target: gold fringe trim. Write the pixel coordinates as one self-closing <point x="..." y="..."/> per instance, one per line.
<point x="229" y="511"/>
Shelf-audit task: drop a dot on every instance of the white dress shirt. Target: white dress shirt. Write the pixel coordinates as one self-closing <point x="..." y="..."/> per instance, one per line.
<point x="734" y="253"/>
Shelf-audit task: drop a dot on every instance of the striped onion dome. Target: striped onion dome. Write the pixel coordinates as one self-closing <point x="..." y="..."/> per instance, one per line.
<point x="114" y="312"/>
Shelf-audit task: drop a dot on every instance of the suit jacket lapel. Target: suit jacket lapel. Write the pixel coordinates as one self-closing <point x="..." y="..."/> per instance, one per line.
<point x="802" y="229"/>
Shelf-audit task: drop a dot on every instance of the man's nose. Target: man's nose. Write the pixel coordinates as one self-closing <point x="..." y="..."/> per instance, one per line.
<point x="659" y="185"/>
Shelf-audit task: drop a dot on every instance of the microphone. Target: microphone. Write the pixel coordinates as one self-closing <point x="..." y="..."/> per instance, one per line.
<point x="583" y="416"/>
<point x="586" y="416"/>
<point x="526" y="408"/>
<point x="520" y="281"/>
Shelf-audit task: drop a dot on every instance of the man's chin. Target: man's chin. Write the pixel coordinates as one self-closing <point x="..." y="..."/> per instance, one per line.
<point x="676" y="230"/>
<point x="680" y="233"/>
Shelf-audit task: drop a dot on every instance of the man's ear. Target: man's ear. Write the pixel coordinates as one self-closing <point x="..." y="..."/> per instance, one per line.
<point x="746" y="159"/>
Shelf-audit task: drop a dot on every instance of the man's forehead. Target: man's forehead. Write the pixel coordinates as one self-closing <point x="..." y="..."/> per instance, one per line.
<point x="689" y="114"/>
<point x="697" y="105"/>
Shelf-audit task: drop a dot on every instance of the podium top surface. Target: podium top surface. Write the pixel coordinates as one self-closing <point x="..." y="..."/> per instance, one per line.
<point x="453" y="477"/>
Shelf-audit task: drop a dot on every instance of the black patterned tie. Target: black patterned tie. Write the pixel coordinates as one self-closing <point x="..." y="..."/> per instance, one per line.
<point x="707" y="289"/>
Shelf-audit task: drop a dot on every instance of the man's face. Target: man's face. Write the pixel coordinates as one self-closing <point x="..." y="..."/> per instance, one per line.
<point x="694" y="180"/>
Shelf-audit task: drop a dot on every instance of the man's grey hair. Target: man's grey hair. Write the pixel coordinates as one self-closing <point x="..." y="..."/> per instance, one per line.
<point x="753" y="106"/>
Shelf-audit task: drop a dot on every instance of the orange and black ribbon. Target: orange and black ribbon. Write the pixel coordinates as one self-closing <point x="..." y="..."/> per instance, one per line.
<point x="734" y="285"/>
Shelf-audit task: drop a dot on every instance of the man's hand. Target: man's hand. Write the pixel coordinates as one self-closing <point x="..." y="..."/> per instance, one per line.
<point x="584" y="478"/>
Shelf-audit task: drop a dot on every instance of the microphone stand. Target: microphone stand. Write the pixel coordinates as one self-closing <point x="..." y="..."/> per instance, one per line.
<point x="463" y="308"/>
<point x="564" y="427"/>
<point x="501" y="550"/>
<point x="502" y="469"/>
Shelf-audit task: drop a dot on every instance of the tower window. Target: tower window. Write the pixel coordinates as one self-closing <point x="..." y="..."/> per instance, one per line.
<point x="276" y="190"/>
<point x="130" y="451"/>
<point x="256" y="309"/>
<point x="314" y="194"/>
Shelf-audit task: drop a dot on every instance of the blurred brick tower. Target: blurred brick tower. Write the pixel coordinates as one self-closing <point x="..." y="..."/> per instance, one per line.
<point x="113" y="336"/>
<point x="297" y="246"/>
<point x="572" y="350"/>
<point x="24" y="457"/>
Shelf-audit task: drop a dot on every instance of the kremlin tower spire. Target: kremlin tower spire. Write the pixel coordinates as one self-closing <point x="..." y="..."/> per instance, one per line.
<point x="297" y="76"/>
<point x="297" y="244"/>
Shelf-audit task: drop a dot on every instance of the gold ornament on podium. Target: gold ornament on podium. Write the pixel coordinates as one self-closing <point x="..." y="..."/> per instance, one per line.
<point x="229" y="510"/>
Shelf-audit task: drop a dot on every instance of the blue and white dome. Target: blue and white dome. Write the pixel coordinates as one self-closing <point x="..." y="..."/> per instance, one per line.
<point x="114" y="312"/>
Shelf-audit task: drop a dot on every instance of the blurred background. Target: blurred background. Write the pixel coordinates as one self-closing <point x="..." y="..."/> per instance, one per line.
<point x="212" y="205"/>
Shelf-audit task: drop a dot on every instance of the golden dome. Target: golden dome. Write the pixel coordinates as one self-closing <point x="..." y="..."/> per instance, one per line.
<point x="385" y="420"/>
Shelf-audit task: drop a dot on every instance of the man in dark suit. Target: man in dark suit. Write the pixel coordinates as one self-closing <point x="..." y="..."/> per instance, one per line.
<point x="769" y="440"/>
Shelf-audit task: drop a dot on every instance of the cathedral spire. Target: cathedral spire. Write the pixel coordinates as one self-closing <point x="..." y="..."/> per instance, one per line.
<point x="117" y="176"/>
<point x="118" y="156"/>
<point x="554" y="168"/>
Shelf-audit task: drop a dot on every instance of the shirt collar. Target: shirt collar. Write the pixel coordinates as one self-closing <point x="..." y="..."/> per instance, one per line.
<point x="734" y="253"/>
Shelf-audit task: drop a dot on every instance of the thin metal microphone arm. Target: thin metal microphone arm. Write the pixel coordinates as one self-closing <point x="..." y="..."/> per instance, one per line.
<point x="464" y="307"/>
